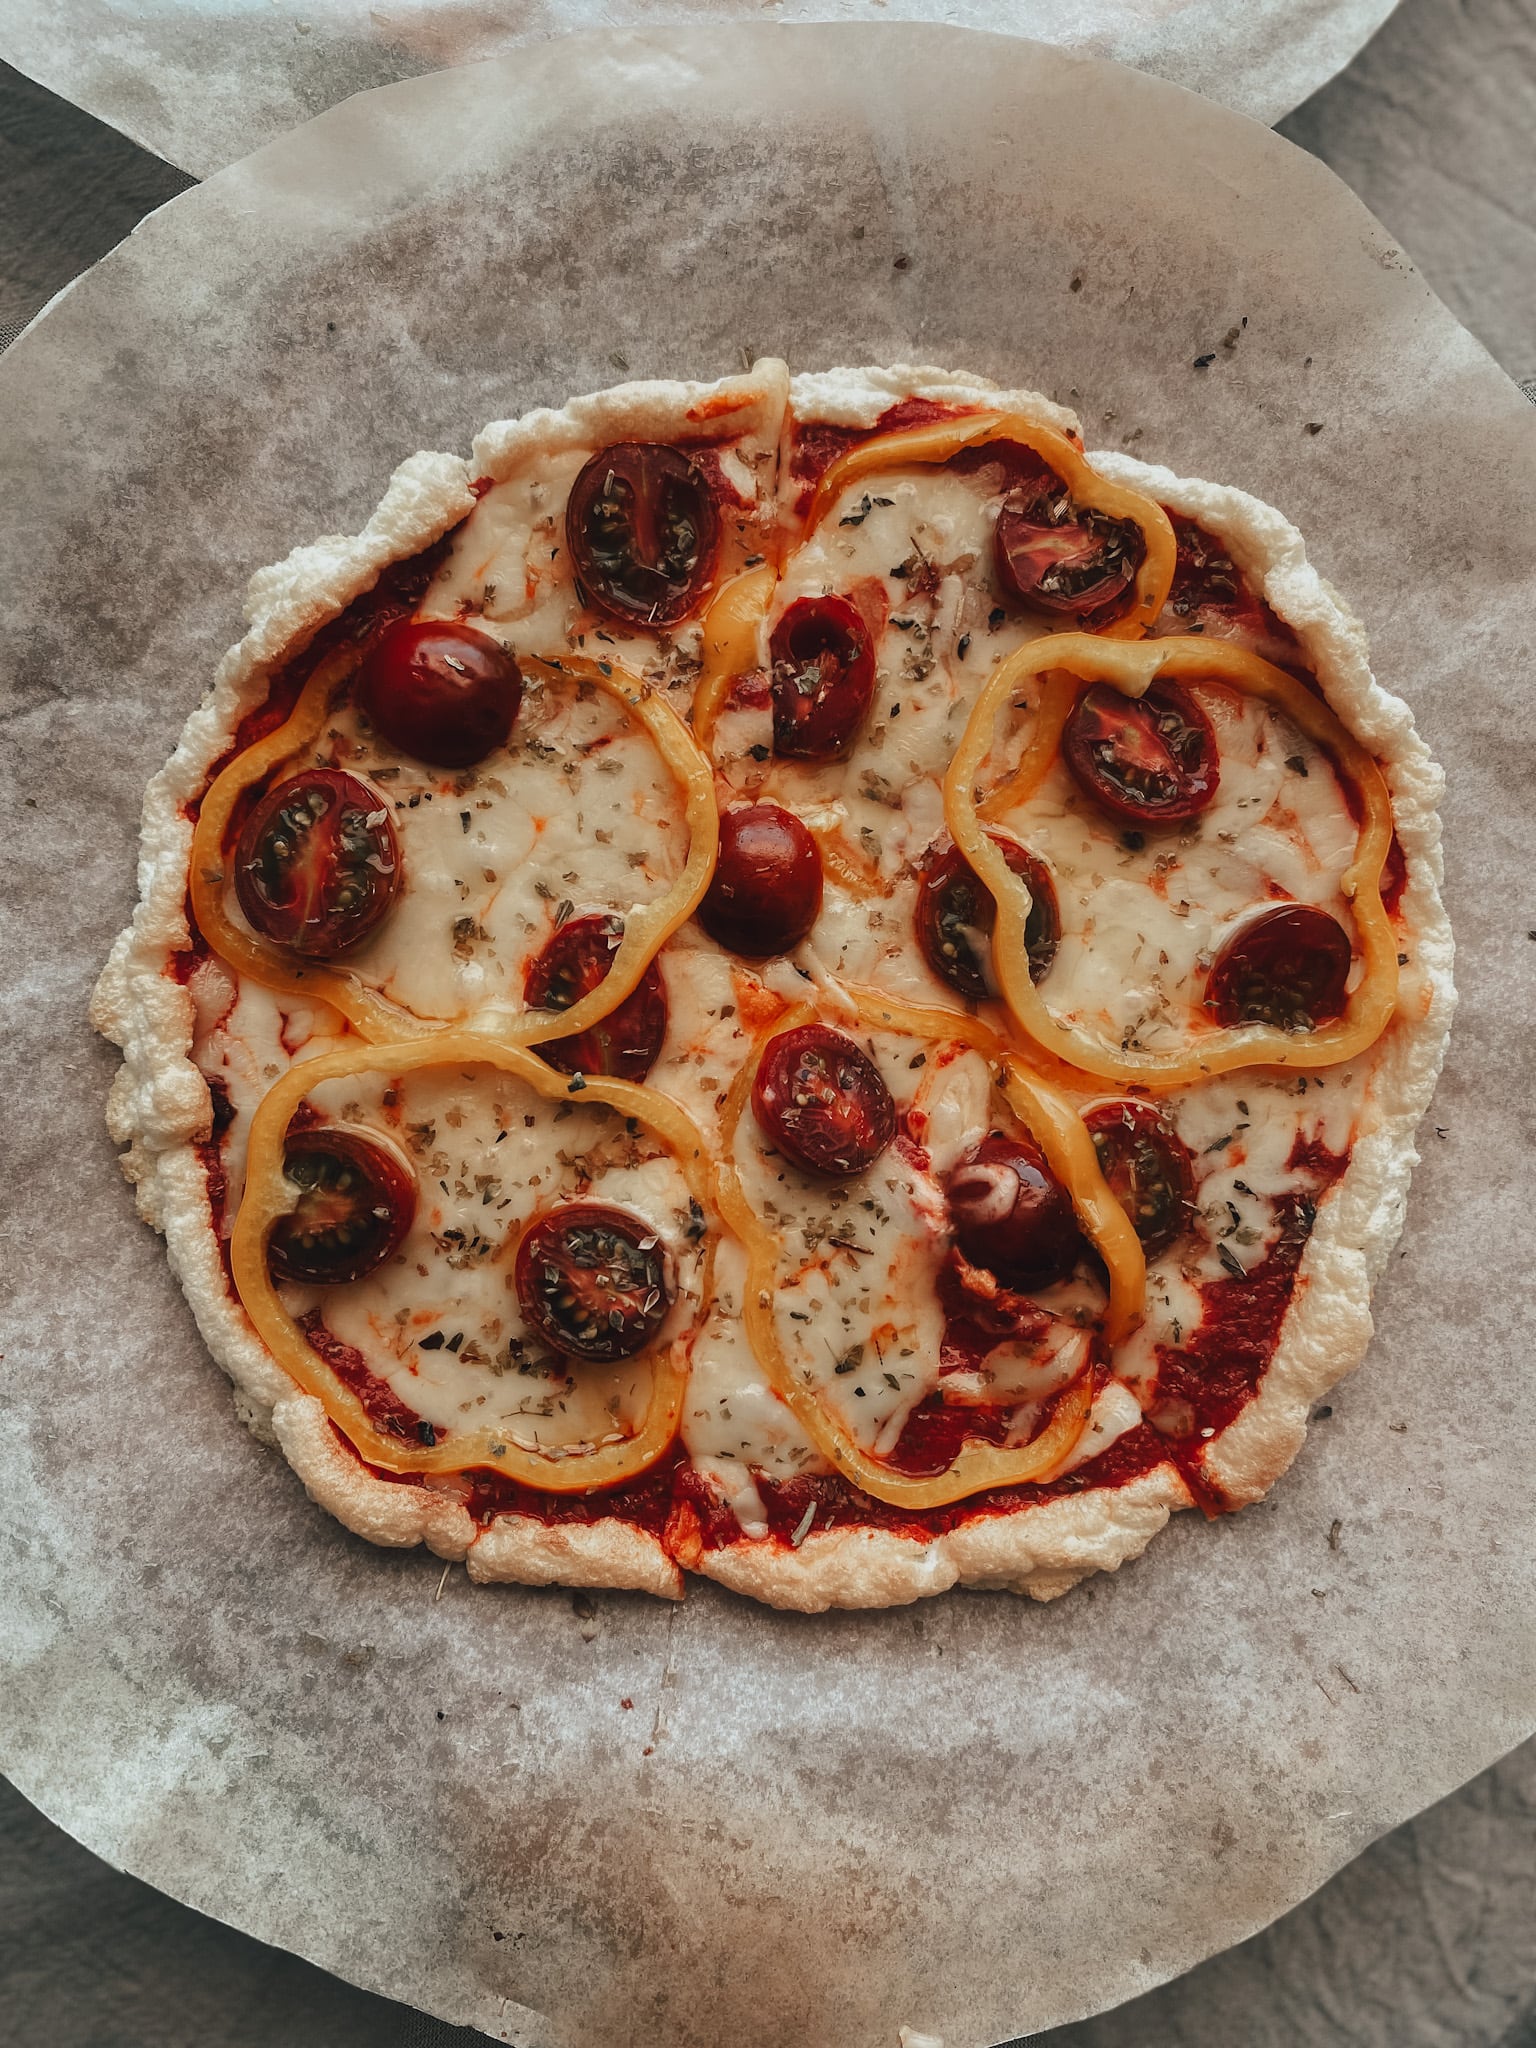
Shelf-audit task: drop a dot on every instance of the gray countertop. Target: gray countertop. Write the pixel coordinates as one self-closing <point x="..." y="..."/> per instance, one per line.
<point x="1428" y="1940"/>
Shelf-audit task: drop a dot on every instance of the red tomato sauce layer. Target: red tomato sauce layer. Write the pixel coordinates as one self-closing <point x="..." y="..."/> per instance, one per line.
<point x="398" y="592"/>
<point x="382" y="1405"/>
<point x="1215" y="1375"/>
<point x="816" y="448"/>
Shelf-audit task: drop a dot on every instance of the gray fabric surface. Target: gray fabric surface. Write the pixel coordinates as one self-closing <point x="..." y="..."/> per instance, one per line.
<point x="1429" y="1939"/>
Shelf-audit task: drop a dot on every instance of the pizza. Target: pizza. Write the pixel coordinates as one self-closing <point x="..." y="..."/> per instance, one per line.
<point x="794" y="980"/>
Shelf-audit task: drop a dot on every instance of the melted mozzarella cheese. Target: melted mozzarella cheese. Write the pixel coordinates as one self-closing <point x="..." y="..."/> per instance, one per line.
<point x="735" y="1426"/>
<point x="1141" y="923"/>
<point x="1115" y="1410"/>
<point x="1241" y="1130"/>
<point x="440" y="1322"/>
<point x="244" y="1040"/>
<point x="579" y="810"/>
<point x="509" y="568"/>
<point x="921" y="539"/>
<point x="856" y="1301"/>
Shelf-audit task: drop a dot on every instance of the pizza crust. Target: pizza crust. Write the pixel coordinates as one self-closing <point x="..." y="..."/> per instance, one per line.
<point x="159" y="1106"/>
<point x="513" y="1549"/>
<point x="1043" y="1552"/>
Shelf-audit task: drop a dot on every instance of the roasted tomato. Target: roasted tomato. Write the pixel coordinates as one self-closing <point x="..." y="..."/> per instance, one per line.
<point x="356" y="1200"/>
<point x="440" y="692"/>
<point x="1010" y="1214"/>
<point x="625" y="1043"/>
<point x="1287" y="967"/>
<point x="1064" y="559"/>
<point x="822" y="1102"/>
<point x="592" y="1281"/>
<point x="1210" y="594"/>
<point x="1149" y="1170"/>
<point x="956" y="911"/>
<point x="1148" y="760"/>
<point x="765" y="893"/>
<point x="643" y="532"/>
<point x="318" y="865"/>
<point x="823" y="677"/>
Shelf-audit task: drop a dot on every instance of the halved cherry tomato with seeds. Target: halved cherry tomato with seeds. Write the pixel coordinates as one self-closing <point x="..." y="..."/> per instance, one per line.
<point x="1288" y="967"/>
<point x="318" y="865"/>
<point x="1149" y="760"/>
<point x="956" y="912"/>
<point x="822" y="1102"/>
<point x="1067" y="560"/>
<point x="440" y="692"/>
<point x="765" y="893"/>
<point x="592" y="1281"/>
<point x="1010" y="1214"/>
<point x="1148" y="1168"/>
<point x="357" y="1199"/>
<point x="823" y="677"/>
<point x="643" y="530"/>
<point x="628" y="1041"/>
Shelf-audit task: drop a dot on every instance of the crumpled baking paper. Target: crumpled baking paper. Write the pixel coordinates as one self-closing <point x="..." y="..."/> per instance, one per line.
<point x="203" y="81"/>
<point x="603" y="1821"/>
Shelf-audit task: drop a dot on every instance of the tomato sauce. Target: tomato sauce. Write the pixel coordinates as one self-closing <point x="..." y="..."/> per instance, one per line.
<point x="817" y="447"/>
<point x="382" y="1405"/>
<point x="1207" y="581"/>
<point x="397" y="594"/>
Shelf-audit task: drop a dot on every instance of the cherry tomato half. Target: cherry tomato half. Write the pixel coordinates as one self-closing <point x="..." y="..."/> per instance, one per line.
<point x="765" y="893"/>
<point x="823" y="677"/>
<point x="1148" y="760"/>
<point x="956" y="912"/>
<point x="1010" y="1214"/>
<point x="643" y="532"/>
<point x="318" y="865"/>
<point x="440" y="692"/>
<point x="1287" y="967"/>
<point x="356" y="1202"/>
<point x="1148" y="1167"/>
<point x="625" y="1043"/>
<point x="593" y="1281"/>
<point x="822" y="1102"/>
<point x="1065" y="559"/>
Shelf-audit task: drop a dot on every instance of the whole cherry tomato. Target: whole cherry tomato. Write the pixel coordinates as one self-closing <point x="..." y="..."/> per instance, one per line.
<point x="765" y="893"/>
<point x="1010" y="1214"/>
<point x="440" y="692"/>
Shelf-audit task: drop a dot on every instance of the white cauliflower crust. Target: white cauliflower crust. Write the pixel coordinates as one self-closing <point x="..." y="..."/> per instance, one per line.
<point x="159" y="1107"/>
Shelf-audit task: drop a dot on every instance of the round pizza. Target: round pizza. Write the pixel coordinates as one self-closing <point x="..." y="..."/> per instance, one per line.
<point x="794" y="980"/>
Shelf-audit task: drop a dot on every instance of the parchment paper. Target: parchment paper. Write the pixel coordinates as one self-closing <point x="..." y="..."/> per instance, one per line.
<point x="203" y="81"/>
<point x="978" y="1817"/>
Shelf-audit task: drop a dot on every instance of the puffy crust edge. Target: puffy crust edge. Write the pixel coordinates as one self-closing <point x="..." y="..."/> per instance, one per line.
<point x="857" y="397"/>
<point x="1043" y="1552"/>
<point x="513" y="1549"/>
<point x="751" y="406"/>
